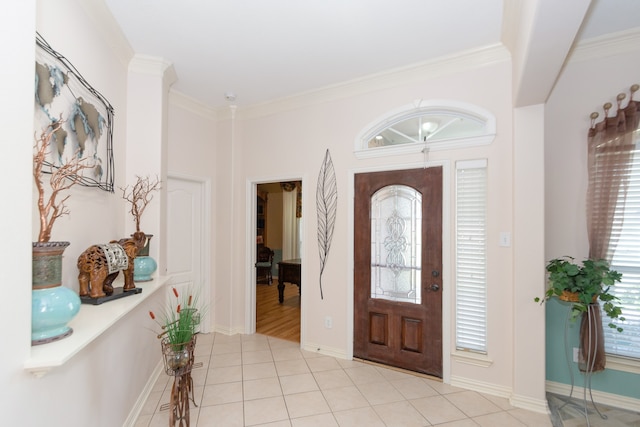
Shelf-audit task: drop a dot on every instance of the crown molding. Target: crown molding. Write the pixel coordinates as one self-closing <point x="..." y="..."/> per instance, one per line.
<point x="445" y="65"/>
<point x="153" y="65"/>
<point x="180" y="100"/>
<point x="622" y="42"/>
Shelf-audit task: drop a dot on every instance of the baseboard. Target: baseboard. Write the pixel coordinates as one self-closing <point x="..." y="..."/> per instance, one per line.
<point x="609" y="399"/>
<point x="530" y="404"/>
<point x="481" y="386"/>
<point x="146" y="391"/>
<point x="325" y="351"/>
<point x="524" y="402"/>
<point x="227" y="331"/>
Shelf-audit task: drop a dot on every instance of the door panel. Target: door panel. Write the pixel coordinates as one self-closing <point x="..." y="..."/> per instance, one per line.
<point x="398" y="259"/>
<point x="185" y="229"/>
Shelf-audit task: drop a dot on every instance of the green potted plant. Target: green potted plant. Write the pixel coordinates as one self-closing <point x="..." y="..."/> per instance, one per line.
<point x="180" y="323"/>
<point x="582" y="285"/>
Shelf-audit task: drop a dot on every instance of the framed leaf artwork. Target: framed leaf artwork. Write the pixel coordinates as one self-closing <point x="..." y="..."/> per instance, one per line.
<point x="62" y="94"/>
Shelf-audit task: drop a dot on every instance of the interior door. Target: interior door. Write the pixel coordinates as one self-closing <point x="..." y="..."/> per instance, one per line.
<point x="398" y="264"/>
<point x="185" y="246"/>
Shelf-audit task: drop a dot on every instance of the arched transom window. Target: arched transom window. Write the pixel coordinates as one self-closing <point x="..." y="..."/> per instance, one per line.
<point x="432" y="125"/>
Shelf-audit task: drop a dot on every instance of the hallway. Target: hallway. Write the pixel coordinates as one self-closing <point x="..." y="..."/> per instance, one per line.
<point x="274" y="319"/>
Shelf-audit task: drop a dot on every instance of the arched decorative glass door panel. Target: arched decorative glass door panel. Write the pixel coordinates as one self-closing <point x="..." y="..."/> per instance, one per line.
<point x="396" y="250"/>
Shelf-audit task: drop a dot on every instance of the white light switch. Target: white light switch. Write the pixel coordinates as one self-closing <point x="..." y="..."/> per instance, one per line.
<point x="505" y="239"/>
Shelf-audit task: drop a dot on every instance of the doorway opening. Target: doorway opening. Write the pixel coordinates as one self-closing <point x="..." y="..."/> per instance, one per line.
<point x="278" y="231"/>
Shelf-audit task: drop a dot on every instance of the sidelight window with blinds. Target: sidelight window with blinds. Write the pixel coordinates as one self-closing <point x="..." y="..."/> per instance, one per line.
<point x="471" y="256"/>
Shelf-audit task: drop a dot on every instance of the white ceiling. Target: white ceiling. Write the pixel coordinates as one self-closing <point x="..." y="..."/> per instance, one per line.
<point x="263" y="50"/>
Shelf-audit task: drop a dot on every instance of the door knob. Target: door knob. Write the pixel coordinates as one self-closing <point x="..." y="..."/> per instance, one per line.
<point x="435" y="273"/>
<point x="435" y="287"/>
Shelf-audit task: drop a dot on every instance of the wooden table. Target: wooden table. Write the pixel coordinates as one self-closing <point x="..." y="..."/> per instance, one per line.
<point x="288" y="271"/>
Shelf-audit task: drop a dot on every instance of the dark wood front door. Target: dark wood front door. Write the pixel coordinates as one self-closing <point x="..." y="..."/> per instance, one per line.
<point x="398" y="264"/>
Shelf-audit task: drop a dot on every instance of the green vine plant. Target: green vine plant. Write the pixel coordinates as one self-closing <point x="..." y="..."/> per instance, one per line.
<point x="589" y="282"/>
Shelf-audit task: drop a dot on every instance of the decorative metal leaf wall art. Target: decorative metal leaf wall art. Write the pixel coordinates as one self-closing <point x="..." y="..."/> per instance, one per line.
<point x="87" y="129"/>
<point x="327" y="205"/>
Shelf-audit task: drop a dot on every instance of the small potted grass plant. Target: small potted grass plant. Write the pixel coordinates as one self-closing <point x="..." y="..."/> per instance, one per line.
<point x="179" y="323"/>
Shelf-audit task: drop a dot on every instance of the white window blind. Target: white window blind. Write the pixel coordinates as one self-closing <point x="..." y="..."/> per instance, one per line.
<point x="471" y="250"/>
<point x="626" y="260"/>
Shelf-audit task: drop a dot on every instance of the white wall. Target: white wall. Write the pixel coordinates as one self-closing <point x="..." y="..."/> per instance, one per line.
<point x="301" y="130"/>
<point x="583" y="88"/>
<point x="191" y="154"/>
<point x="99" y="385"/>
<point x="90" y="54"/>
<point x="192" y="138"/>
<point x="16" y="85"/>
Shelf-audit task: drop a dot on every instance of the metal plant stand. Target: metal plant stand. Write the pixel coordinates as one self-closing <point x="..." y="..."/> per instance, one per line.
<point x="179" y="363"/>
<point x="588" y="363"/>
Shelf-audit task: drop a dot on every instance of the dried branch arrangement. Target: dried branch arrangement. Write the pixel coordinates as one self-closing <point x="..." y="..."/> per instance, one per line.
<point x="139" y="195"/>
<point x="62" y="178"/>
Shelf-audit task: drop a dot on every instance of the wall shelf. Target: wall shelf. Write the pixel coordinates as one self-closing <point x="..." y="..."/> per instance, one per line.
<point x="90" y="323"/>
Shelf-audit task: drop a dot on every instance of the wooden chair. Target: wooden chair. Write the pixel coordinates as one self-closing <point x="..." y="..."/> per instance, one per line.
<point x="264" y="263"/>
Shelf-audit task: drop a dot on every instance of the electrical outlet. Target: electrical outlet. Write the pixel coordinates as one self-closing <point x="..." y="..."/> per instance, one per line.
<point x="576" y="354"/>
<point x="328" y="322"/>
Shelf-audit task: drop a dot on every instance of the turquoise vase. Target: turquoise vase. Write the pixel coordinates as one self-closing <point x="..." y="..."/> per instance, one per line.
<point x="52" y="305"/>
<point x="143" y="265"/>
<point x="143" y="268"/>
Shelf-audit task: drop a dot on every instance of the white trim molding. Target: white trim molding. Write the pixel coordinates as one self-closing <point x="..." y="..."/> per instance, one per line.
<point x="540" y="406"/>
<point x="523" y="402"/>
<point x="620" y="43"/>
<point x="471" y="358"/>
<point x="326" y="351"/>
<point x="624" y="364"/>
<point x="481" y="386"/>
<point x="434" y="68"/>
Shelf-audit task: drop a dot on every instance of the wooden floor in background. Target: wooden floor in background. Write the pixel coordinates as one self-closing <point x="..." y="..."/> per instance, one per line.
<point x="275" y="319"/>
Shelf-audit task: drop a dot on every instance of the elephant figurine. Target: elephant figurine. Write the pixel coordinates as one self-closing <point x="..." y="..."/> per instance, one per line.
<point x="99" y="265"/>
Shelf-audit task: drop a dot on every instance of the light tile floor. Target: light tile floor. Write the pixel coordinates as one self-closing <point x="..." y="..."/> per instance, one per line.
<point x="567" y="412"/>
<point x="255" y="380"/>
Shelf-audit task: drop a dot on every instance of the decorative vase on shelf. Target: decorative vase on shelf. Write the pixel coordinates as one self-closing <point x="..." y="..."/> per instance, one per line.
<point x="52" y="305"/>
<point x="143" y="265"/>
